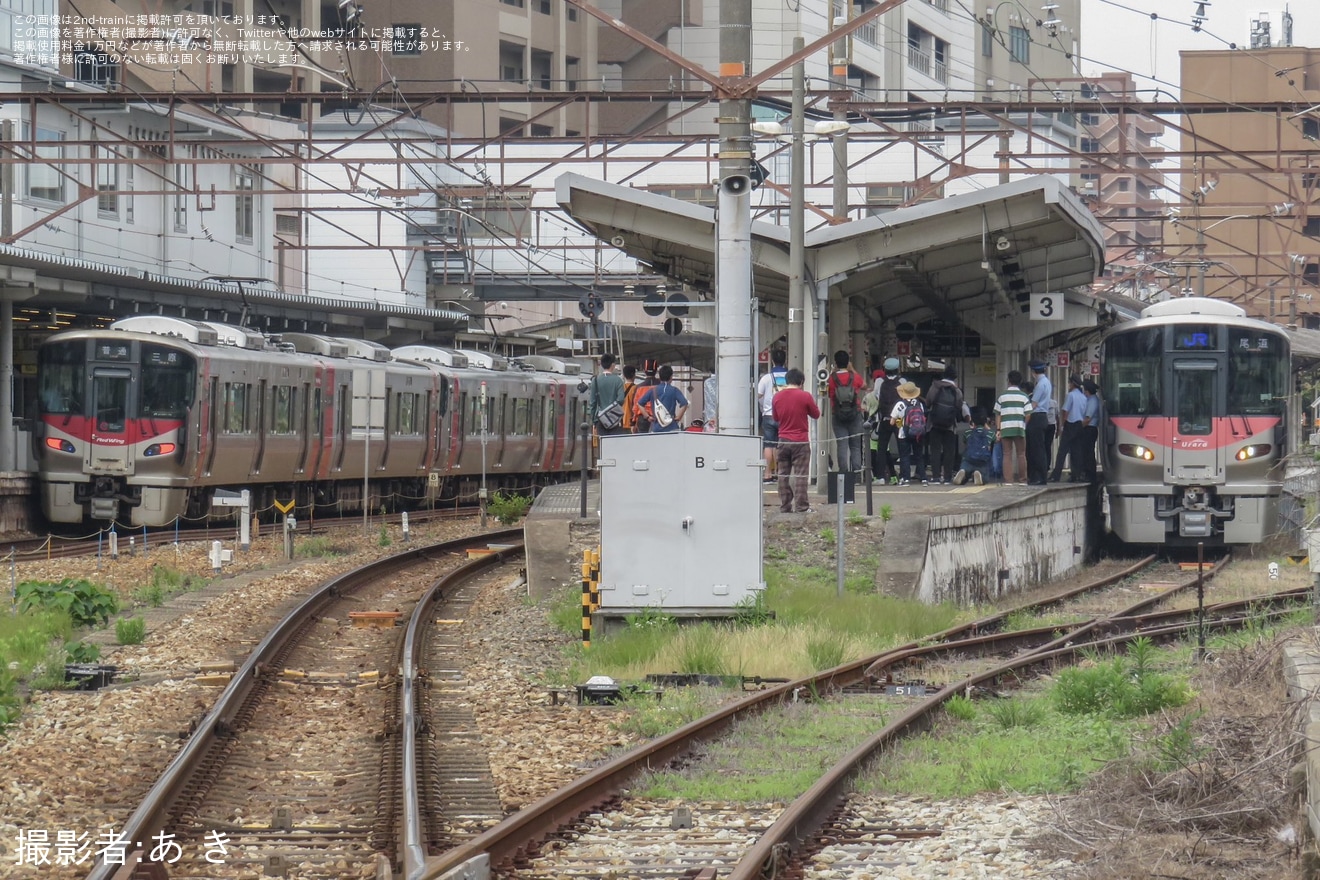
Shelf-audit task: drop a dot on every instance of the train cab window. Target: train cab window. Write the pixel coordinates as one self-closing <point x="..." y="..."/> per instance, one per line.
<point x="169" y="379"/>
<point x="1257" y="372"/>
<point x="1132" y="377"/>
<point x="1194" y="395"/>
<point x="62" y="370"/>
<point x="236" y="408"/>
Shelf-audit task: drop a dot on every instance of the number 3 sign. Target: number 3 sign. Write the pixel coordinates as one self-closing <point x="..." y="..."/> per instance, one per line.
<point x="1047" y="307"/>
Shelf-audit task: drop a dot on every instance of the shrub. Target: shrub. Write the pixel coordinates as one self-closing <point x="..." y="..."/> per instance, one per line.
<point x="960" y="707"/>
<point x="701" y="650"/>
<point x="384" y="539"/>
<point x="508" y="508"/>
<point x="315" y="546"/>
<point x="886" y="512"/>
<point x="85" y="602"/>
<point x="1118" y="689"/>
<point x="751" y="610"/>
<point x="130" y="630"/>
<point x="82" y="652"/>
<point x="152" y="594"/>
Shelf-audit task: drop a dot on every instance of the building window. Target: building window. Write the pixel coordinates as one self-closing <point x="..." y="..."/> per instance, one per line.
<point x="517" y="4"/>
<point x="107" y="182"/>
<point x="511" y="63"/>
<point x="94" y="67"/>
<point x="542" y="63"/>
<point x="543" y="6"/>
<point x="180" y="198"/>
<point x="244" y="204"/>
<point x="1019" y="45"/>
<point x="407" y="40"/>
<point x="572" y="13"/>
<point x="1312" y="227"/>
<point x="987" y="41"/>
<point x="571" y="67"/>
<point x="1090" y="145"/>
<point x="1311" y="274"/>
<point x="44" y="178"/>
<point x="1124" y="184"/>
<point x="941" y="72"/>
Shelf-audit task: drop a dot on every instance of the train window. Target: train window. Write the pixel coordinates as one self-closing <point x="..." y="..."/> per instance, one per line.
<point x="522" y="416"/>
<point x="62" y="374"/>
<point x="236" y="407"/>
<point x="1194" y="395"/>
<point x="283" y="400"/>
<point x="169" y="379"/>
<point x="474" y="417"/>
<point x="316" y="411"/>
<point x="405" y="409"/>
<point x="1132" y="377"/>
<point x="1257" y="372"/>
<point x="110" y="397"/>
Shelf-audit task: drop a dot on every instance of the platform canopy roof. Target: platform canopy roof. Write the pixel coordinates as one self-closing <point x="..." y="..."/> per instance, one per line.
<point x="934" y="260"/>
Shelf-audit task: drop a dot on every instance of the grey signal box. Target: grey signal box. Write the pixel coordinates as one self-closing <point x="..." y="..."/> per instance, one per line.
<point x="681" y="521"/>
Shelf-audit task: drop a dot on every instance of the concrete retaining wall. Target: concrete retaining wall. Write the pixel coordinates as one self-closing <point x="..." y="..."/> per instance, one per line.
<point x="979" y="556"/>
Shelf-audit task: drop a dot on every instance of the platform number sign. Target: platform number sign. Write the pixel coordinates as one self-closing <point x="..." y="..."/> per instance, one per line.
<point x="1047" y="307"/>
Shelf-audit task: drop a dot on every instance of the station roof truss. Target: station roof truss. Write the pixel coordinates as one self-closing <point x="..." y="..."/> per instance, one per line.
<point x="936" y="260"/>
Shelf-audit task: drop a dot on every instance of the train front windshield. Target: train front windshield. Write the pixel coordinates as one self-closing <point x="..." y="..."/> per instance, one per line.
<point x="1175" y="370"/>
<point x="62" y="376"/>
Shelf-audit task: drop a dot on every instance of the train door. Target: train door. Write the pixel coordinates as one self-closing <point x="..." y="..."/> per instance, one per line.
<point x="1196" y="453"/>
<point x="213" y="422"/>
<point x="305" y="426"/>
<point x="111" y="450"/>
<point x="342" y="416"/>
<point x="262" y="428"/>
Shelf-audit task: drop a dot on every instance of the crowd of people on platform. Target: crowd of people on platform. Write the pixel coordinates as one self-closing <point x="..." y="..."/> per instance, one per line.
<point x="911" y="437"/>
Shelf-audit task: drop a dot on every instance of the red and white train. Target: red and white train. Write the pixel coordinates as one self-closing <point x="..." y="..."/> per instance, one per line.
<point x="143" y="422"/>
<point x="1194" y="432"/>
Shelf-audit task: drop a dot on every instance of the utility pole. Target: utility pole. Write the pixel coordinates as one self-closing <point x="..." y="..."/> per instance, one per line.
<point x="734" y="224"/>
<point x="798" y="325"/>
<point x="8" y="435"/>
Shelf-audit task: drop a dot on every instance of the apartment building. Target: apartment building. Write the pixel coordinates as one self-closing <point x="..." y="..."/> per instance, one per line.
<point x="1251" y="221"/>
<point x="492" y="49"/>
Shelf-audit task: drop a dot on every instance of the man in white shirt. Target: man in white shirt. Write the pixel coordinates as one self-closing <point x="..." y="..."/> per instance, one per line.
<point x="775" y="379"/>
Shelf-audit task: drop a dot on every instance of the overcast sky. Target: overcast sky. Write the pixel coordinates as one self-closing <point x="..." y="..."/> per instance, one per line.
<point x="1119" y="34"/>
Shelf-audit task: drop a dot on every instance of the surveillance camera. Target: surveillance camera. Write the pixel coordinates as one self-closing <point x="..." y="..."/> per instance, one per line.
<point x="736" y="184"/>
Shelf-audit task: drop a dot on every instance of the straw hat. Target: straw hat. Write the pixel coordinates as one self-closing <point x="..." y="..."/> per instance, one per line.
<point x="908" y="391"/>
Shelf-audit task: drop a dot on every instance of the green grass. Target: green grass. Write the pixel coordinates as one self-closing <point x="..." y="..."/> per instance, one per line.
<point x="772" y="758"/>
<point x="1021" y="744"/>
<point x="316" y="547"/>
<point x="130" y="630"/>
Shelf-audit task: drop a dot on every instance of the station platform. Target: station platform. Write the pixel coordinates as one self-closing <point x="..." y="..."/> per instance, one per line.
<point x="937" y="543"/>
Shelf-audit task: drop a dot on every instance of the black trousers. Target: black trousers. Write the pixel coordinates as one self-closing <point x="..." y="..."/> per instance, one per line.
<point x="1038" y="448"/>
<point x="1069" y="448"/>
<point x="942" y="451"/>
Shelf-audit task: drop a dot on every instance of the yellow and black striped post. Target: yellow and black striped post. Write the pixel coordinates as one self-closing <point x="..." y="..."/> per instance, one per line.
<point x="586" y="598"/>
<point x="595" y="579"/>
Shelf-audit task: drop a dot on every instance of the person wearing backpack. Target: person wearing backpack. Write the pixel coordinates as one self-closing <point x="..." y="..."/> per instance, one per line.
<point x="605" y="400"/>
<point x="909" y="418"/>
<point x="772" y="382"/>
<point x="660" y="399"/>
<point x="980" y="450"/>
<point x="944" y="409"/>
<point x="846" y="387"/>
<point x="887" y="393"/>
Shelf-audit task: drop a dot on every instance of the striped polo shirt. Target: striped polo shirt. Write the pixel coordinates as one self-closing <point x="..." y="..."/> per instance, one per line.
<point x="1012" y="407"/>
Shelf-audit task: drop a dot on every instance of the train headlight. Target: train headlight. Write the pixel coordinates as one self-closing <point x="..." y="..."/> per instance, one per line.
<point x="1145" y="453"/>
<point x="1246" y="453"/>
<point x="59" y="445"/>
<point x="159" y="449"/>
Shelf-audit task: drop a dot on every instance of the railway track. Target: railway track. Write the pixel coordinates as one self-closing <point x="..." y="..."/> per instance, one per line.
<point x="291" y="769"/>
<point x="61" y="547"/>
<point x="551" y="838"/>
